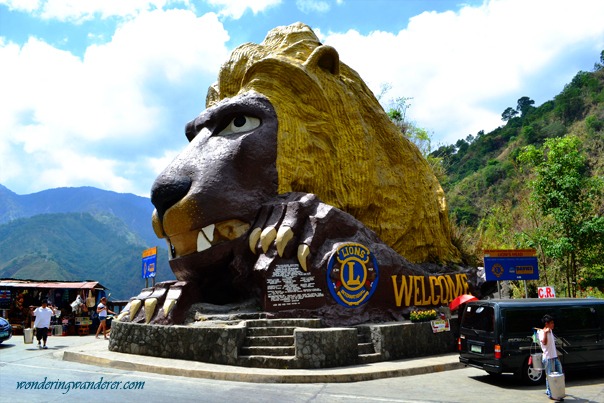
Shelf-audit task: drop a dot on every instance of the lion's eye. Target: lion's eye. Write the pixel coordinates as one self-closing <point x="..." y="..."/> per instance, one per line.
<point x="240" y="124"/>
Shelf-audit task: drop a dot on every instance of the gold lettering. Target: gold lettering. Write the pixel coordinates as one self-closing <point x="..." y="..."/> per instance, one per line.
<point x="435" y="298"/>
<point x="444" y="291"/>
<point x="452" y="288"/>
<point x="351" y="280"/>
<point x="405" y="289"/>
<point x="425" y="298"/>
<point x="416" y="280"/>
<point x="463" y="279"/>
<point x="456" y="286"/>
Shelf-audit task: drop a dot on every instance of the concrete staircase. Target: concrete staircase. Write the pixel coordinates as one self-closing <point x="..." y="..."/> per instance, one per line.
<point x="367" y="352"/>
<point x="269" y="343"/>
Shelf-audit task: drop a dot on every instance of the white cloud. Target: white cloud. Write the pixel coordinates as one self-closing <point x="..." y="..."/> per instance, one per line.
<point x="79" y="10"/>
<point x="312" y="6"/>
<point x="121" y="97"/>
<point x="68" y="168"/>
<point x="27" y="6"/>
<point x="235" y="8"/>
<point x="456" y="65"/>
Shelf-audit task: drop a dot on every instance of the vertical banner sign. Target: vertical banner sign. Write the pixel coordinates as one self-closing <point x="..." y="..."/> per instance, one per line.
<point x="149" y="262"/>
<point x="512" y="264"/>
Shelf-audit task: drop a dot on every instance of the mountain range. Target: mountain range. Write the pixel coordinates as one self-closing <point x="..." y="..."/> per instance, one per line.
<point x="78" y="234"/>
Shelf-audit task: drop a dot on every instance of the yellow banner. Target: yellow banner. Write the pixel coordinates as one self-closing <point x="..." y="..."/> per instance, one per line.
<point x="150" y="252"/>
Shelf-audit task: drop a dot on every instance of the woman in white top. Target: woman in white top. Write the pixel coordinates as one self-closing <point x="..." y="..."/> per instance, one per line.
<point x="102" y="310"/>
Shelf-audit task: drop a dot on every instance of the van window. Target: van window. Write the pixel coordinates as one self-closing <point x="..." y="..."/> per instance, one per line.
<point x="478" y="317"/>
<point x="522" y="321"/>
<point x="579" y="318"/>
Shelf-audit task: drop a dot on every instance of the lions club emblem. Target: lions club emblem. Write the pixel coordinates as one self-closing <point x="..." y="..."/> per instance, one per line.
<point x="497" y="270"/>
<point x="352" y="274"/>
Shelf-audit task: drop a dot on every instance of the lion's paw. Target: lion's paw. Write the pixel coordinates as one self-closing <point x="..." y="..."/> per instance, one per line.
<point x="164" y="303"/>
<point x="301" y="225"/>
<point x="282" y="227"/>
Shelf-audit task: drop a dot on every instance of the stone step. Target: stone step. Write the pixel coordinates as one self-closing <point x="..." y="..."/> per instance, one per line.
<point x="272" y="351"/>
<point x="369" y="358"/>
<point x="292" y="322"/>
<point x="363" y="335"/>
<point x="269" y="341"/>
<point x="271" y="331"/>
<point x="266" y="361"/>
<point x="366" y="348"/>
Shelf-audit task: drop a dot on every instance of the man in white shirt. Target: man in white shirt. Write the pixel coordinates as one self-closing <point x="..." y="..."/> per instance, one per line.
<point x="551" y="363"/>
<point x="43" y="315"/>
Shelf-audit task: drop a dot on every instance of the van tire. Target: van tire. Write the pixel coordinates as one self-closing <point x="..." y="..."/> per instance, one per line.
<point x="531" y="376"/>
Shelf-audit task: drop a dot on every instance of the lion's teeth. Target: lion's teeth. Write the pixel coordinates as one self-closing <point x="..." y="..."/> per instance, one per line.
<point x="209" y="232"/>
<point x="202" y="242"/>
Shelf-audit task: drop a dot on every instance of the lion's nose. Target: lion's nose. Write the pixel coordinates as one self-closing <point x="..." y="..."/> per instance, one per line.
<point x="167" y="191"/>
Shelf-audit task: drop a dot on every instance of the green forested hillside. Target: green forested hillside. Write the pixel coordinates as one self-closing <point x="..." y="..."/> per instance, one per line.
<point x="76" y="246"/>
<point x="490" y="192"/>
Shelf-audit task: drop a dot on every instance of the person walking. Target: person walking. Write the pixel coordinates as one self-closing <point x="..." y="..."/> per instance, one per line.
<point x="43" y="315"/>
<point x="102" y="311"/>
<point x="551" y="363"/>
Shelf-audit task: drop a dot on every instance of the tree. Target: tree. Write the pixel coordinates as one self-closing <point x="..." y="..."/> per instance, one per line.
<point x="565" y="194"/>
<point x="508" y="114"/>
<point x="525" y="105"/>
<point x="417" y="135"/>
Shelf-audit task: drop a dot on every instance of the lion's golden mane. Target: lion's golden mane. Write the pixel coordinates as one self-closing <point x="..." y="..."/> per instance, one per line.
<point x="336" y="141"/>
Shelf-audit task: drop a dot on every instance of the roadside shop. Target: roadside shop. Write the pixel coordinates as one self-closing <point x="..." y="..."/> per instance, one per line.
<point x="75" y="302"/>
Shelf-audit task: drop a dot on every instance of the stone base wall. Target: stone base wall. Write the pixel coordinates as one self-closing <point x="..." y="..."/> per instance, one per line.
<point x="326" y="348"/>
<point x="407" y="340"/>
<point x="219" y="345"/>
<point x="314" y="348"/>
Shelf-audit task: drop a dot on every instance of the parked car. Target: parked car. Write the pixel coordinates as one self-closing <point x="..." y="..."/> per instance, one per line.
<point x="497" y="335"/>
<point x="6" y="330"/>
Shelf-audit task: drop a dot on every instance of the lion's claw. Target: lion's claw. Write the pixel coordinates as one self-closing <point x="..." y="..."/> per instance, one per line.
<point x="267" y="237"/>
<point x="303" y="252"/>
<point x="254" y="238"/>
<point x="284" y="235"/>
<point x="165" y="303"/>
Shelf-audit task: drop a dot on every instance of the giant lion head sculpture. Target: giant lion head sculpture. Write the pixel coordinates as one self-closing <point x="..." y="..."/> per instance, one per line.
<point x="293" y="155"/>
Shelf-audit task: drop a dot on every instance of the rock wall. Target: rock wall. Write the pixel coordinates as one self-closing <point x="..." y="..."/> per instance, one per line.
<point x="314" y="348"/>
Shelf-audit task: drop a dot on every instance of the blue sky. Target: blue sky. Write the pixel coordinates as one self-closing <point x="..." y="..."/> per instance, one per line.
<point x="97" y="92"/>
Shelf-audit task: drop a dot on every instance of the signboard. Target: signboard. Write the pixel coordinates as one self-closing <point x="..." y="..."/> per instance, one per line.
<point x="518" y="264"/>
<point x="149" y="262"/>
<point x="441" y="325"/>
<point x="289" y="287"/>
<point x="546" y="292"/>
<point x="510" y="253"/>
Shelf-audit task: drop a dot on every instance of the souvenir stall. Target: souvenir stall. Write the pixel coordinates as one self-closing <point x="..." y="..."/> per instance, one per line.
<point x="75" y="302"/>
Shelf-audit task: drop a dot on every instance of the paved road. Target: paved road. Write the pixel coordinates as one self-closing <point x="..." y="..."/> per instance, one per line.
<point x="19" y="362"/>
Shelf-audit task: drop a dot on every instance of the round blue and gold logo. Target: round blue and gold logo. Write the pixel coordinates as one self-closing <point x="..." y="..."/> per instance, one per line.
<point x="352" y="274"/>
<point x="497" y="270"/>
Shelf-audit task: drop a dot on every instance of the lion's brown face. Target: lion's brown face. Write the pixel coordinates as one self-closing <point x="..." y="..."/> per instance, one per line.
<point x="209" y="195"/>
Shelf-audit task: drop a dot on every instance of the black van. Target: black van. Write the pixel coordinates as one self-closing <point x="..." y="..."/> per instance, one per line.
<point x="496" y="335"/>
